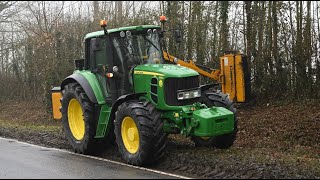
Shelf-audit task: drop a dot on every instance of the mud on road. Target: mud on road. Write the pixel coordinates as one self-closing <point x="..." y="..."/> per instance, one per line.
<point x="268" y="144"/>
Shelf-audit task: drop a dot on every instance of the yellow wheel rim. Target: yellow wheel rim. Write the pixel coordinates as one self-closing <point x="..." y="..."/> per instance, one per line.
<point x="205" y="138"/>
<point x="130" y="135"/>
<point x="75" y="119"/>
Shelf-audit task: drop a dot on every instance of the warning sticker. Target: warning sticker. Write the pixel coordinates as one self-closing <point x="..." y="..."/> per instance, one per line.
<point x="226" y="61"/>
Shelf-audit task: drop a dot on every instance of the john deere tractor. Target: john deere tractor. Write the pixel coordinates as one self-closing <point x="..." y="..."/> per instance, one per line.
<point x="124" y="91"/>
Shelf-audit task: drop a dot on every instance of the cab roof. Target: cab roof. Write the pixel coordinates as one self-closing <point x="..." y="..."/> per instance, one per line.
<point x="101" y="33"/>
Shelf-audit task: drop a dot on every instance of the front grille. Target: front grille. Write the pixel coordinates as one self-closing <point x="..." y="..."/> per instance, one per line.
<point x="172" y="85"/>
<point x="154" y="90"/>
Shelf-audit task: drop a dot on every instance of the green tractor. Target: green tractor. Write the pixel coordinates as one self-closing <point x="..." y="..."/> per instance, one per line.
<point x="123" y="92"/>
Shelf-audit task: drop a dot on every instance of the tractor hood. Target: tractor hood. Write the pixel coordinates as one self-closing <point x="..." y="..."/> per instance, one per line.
<point x="167" y="70"/>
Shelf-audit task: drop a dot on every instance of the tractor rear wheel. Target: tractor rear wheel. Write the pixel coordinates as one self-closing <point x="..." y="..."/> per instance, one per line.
<point x="78" y="119"/>
<point x="139" y="133"/>
<point x="219" y="99"/>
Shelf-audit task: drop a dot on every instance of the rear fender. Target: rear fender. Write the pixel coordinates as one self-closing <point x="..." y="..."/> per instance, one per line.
<point x="90" y="85"/>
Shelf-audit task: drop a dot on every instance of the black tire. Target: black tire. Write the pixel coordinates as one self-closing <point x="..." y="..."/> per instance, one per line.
<point x="219" y="99"/>
<point x="152" y="139"/>
<point x="86" y="145"/>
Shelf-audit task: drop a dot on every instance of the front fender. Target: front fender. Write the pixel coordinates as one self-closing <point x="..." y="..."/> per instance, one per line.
<point x="123" y="99"/>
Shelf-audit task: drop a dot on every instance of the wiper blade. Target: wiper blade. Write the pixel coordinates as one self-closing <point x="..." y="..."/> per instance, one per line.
<point x="151" y="43"/>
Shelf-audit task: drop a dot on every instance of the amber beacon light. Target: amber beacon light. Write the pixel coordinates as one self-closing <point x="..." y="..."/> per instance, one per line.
<point x="163" y="18"/>
<point x="103" y="23"/>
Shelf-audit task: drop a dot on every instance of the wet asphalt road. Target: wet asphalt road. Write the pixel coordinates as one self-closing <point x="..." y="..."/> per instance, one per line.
<point x="21" y="160"/>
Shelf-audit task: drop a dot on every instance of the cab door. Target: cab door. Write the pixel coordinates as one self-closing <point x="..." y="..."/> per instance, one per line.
<point x="97" y="62"/>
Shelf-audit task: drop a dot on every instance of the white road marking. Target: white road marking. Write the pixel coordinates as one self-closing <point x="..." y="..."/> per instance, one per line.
<point x="97" y="158"/>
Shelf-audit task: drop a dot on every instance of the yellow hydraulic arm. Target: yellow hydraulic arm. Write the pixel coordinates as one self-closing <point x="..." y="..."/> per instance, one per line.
<point x="231" y="75"/>
<point x="214" y="74"/>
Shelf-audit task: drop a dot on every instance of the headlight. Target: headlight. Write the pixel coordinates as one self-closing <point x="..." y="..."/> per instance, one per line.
<point x="189" y="94"/>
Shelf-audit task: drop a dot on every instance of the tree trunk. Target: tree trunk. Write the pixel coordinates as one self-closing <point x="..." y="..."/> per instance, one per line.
<point x="248" y="32"/>
<point x="300" y="60"/>
<point x="224" y="30"/>
<point x="190" y="31"/>
<point x="308" y="50"/>
<point x="96" y="18"/>
<point x="259" y="58"/>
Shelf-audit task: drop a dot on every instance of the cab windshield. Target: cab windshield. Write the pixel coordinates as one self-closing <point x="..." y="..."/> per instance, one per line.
<point x="131" y="49"/>
<point x="138" y="47"/>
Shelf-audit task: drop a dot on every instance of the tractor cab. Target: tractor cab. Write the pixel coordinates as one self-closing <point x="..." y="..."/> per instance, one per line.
<point x="115" y="53"/>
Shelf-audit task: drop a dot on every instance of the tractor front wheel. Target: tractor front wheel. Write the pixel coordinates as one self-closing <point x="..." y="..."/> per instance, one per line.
<point x="139" y="133"/>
